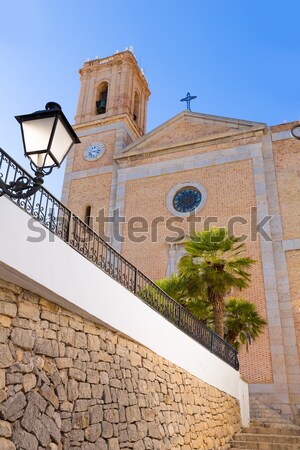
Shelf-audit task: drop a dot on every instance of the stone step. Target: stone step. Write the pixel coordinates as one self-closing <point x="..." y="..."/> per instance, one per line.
<point x="269" y="438"/>
<point x="262" y="414"/>
<point x="253" y="429"/>
<point x="245" y="445"/>
<point x="270" y="419"/>
<point x="266" y="414"/>
<point x="268" y="430"/>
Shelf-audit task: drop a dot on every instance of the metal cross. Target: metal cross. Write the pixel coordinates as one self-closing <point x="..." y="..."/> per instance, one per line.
<point x="188" y="99"/>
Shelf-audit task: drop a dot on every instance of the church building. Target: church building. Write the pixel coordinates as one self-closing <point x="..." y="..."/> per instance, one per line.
<point x="146" y="192"/>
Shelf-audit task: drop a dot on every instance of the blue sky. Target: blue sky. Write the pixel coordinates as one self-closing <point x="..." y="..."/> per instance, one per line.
<point x="241" y="58"/>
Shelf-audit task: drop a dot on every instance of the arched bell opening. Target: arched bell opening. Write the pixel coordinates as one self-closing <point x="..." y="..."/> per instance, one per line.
<point x="101" y="102"/>
<point x="136" y="107"/>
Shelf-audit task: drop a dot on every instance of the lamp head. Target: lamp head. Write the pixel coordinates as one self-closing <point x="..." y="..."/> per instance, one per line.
<point x="47" y="136"/>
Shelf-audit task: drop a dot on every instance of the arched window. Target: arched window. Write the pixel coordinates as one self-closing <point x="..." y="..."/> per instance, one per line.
<point x="87" y="215"/>
<point x="136" y="107"/>
<point x="102" y="98"/>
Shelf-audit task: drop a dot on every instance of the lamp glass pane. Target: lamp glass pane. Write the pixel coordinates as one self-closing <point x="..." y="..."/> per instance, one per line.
<point x="36" y="137"/>
<point x="49" y="162"/>
<point x="60" y="144"/>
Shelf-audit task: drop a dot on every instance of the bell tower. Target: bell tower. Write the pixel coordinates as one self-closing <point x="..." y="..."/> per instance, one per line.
<point x="112" y="87"/>
<point x="111" y="114"/>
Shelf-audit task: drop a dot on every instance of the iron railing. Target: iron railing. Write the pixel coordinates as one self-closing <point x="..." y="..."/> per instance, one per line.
<point x="52" y="214"/>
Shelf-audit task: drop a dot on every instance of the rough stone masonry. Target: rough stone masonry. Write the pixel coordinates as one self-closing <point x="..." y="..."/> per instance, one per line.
<point x="67" y="383"/>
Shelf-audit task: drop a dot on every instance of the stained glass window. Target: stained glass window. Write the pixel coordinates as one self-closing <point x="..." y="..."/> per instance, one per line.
<point x="187" y="199"/>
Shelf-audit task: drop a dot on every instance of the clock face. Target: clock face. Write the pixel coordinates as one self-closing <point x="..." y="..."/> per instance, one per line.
<point x="94" y="151"/>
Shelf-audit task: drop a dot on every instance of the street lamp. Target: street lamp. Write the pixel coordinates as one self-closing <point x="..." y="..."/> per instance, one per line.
<point x="47" y="138"/>
<point x="295" y="131"/>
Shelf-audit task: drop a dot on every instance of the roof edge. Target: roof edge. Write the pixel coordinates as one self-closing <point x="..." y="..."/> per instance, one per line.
<point x="186" y="113"/>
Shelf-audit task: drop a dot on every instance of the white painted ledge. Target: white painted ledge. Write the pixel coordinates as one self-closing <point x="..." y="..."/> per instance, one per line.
<point x="54" y="270"/>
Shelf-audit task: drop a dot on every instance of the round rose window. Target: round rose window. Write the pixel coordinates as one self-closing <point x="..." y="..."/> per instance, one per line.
<point x="187" y="199"/>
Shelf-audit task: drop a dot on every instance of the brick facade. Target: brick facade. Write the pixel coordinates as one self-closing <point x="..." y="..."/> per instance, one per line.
<point x="248" y="170"/>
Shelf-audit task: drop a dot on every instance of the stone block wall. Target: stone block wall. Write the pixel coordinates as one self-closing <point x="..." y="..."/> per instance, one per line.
<point x="68" y="383"/>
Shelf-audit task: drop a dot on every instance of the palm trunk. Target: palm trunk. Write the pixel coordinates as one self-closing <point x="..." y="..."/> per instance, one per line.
<point x="231" y="337"/>
<point x="218" y="305"/>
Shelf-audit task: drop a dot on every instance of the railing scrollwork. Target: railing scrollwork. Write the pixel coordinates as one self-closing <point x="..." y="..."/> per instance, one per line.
<point x="47" y="210"/>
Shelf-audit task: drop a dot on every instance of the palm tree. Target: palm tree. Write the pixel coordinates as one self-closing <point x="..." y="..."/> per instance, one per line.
<point x="213" y="266"/>
<point x="174" y="287"/>
<point x="178" y="289"/>
<point x="243" y="322"/>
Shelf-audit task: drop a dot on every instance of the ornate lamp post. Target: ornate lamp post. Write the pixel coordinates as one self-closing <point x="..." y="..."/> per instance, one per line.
<point x="47" y="138"/>
<point x="295" y="131"/>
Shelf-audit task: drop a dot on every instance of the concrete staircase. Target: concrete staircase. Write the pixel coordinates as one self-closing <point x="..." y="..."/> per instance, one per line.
<point x="268" y="430"/>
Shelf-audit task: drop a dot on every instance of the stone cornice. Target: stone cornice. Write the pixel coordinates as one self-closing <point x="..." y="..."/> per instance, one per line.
<point x="242" y="125"/>
<point x="200" y="142"/>
<point x="108" y="121"/>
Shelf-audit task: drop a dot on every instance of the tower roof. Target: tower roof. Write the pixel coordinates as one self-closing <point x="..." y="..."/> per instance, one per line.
<point x="117" y="58"/>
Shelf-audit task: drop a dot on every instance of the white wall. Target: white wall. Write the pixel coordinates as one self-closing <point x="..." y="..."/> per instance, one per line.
<point x="59" y="273"/>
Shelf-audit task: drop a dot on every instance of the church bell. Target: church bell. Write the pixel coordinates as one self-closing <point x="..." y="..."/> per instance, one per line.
<point x="101" y="106"/>
<point x="101" y="103"/>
